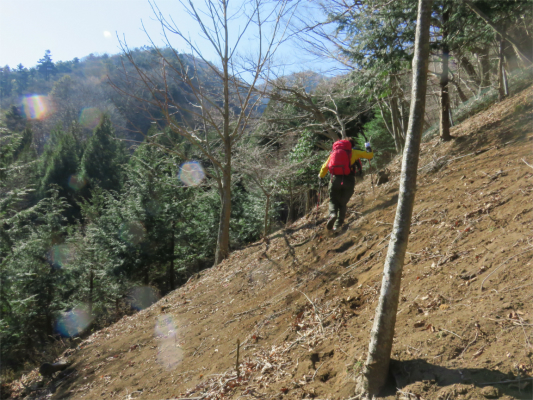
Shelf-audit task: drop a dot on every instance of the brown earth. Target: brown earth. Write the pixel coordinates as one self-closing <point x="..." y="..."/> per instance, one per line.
<point x="302" y="303"/>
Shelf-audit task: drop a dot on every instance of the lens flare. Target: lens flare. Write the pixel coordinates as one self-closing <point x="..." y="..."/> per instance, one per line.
<point x="132" y="232"/>
<point x="36" y="107"/>
<point x="143" y="297"/>
<point x="60" y="255"/>
<point x="169" y="354"/>
<point x="72" y="323"/>
<point x="76" y="182"/>
<point x="191" y="173"/>
<point x="90" y="117"/>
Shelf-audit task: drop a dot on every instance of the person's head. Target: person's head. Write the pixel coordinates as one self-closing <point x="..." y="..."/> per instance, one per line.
<point x="352" y="141"/>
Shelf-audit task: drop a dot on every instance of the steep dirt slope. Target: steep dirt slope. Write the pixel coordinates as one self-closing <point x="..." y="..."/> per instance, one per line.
<point x="302" y="303"/>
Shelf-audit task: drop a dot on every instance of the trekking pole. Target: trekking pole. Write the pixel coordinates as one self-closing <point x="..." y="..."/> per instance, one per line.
<point x="367" y="144"/>
<point x="371" y="176"/>
<point x="319" y="195"/>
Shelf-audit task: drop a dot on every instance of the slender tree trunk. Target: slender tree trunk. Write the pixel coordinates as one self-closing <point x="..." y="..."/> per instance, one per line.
<point x="395" y="114"/>
<point x="468" y="67"/>
<point x="222" y="250"/>
<point x="460" y="92"/>
<point x="377" y="364"/>
<point x="444" y="90"/>
<point x="388" y="126"/>
<point x="289" y="213"/>
<point x="398" y="142"/>
<point x="484" y="61"/>
<point x="170" y="271"/>
<point x="404" y="115"/>
<point x="48" y="312"/>
<point x="505" y="82"/>
<point x="510" y="58"/>
<point x="501" y="84"/>
<point x="91" y="291"/>
<point x="267" y="210"/>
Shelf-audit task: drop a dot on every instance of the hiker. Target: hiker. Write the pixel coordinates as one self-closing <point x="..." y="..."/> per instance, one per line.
<point x="344" y="165"/>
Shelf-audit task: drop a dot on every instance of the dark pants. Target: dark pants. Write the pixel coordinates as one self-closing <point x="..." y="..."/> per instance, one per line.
<point x="341" y="189"/>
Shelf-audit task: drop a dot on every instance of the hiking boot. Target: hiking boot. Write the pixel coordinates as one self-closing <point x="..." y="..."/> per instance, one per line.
<point x="331" y="222"/>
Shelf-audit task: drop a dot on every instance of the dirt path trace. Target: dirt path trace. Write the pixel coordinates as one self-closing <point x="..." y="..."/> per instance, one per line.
<point x="302" y="303"/>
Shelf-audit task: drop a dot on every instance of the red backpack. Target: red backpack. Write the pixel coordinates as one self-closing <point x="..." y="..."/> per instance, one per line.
<point x="339" y="159"/>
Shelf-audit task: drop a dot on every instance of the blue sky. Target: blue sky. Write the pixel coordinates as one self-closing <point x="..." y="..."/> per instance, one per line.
<point x="76" y="28"/>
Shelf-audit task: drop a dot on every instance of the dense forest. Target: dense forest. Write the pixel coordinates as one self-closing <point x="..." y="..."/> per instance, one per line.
<point x="117" y="174"/>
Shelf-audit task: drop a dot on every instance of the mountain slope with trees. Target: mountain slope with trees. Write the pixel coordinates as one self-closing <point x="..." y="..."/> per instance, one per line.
<point x="301" y="302"/>
<point x="122" y="176"/>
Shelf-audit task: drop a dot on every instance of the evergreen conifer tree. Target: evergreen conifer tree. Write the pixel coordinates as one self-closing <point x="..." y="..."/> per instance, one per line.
<point x="102" y="158"/>
<point x="59" y="164"/>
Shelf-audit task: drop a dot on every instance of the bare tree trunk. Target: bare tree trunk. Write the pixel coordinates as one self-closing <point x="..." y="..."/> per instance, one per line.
<point x="510" y="58"/>
<point x="505" y="82"/>
<point x="484" y="61"/>
<point x="170" y="271"/>
<point x="444" y="90"/>
<point x="222" y="250"/>
<point x="393" y="126"/>
<point x="377" y="364"/>
<point x="501" y="84"/>
<point x="469" y="69"/>
<point x="91" y="289"/>
<point x="267" y="210"/>
<point x="460" y="92"/>
<point x="291" y="204"/>
<point x="398" y="137"/>
<point x="388" y="125"/>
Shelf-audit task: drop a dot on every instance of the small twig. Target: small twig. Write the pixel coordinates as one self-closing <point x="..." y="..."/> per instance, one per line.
<point x="385" y="238"/>
<point x="313" y="378"/>
<point x="468" y="345"/>
<point x="508" y="381"/>
<point x="498" y="267"/>
<point x="453" y="333"/>
<point x="315" y="308"/>
<point x="525" y="162"/>
<point x="383" y="223"/>
<point x="198" y="348"/>
<point x="237" y="363"/>
<point x="524" y="330"/>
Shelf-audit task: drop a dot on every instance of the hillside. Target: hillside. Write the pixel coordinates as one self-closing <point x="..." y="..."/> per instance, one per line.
<point x="303" y="301"/>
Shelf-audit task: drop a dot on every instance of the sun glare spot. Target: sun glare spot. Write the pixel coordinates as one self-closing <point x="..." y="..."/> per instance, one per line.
<point x="107" y="34"/>
<point x="72" y="323"/>
<point x="36" y="107"/>
<point x="76" y="182"/>
<point x="90" y="117"/>
<point x="191" y="173"/>
<point x="60" y="255"/>
<point x="170" y="353"/>
<point x="142" y="297"/>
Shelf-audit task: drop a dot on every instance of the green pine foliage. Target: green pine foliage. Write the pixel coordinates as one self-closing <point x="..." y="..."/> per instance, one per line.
<point x="380" y="139"/>
<point x="102" y="158"/>
<point x="60" y="162"/>
<point x="35" y="288"/>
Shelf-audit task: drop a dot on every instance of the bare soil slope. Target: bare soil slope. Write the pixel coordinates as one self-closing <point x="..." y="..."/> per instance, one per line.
<point x="302" y="303"/>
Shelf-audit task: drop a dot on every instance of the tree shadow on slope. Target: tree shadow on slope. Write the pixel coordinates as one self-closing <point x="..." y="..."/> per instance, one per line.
<point x="512" y="127"/>
<point x="384" y="204"/>
<point x="419" y="375"/>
